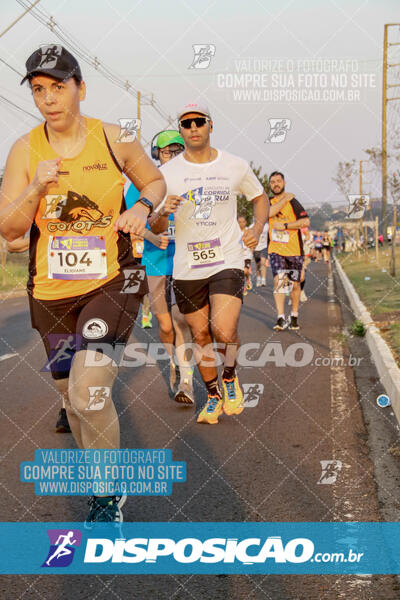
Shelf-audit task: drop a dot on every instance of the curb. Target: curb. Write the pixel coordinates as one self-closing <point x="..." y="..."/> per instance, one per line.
<point x="381" y="354"/>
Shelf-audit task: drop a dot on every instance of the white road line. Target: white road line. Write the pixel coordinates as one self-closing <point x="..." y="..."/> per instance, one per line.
<point x="5" y="356"/>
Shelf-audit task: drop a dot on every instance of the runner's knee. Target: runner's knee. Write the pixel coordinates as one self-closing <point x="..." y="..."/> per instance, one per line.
<point x="90" y="386"/>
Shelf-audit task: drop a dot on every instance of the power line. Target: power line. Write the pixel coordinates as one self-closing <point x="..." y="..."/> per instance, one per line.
<point x="4" y="99"/>
<point x="12" y="68"/>
<point x="19" y="18"/>
<point x="93" y="61"/>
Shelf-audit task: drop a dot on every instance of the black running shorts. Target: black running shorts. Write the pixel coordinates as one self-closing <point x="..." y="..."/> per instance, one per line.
<point x="193" y="294"/>
<point x="104" y="316"/>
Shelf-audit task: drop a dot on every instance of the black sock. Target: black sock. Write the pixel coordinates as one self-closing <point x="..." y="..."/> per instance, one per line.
<point x="212" y="387"/>
<point x="229" y="372"/>
<point x="302" y="284"/>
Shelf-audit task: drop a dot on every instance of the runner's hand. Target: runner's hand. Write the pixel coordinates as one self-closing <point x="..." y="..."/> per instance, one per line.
<point x="162" y="240"/>
<point x="278" y="225"/>
<point x="250" y="238"/>
<point x="133" y="220"/>
<point x="171" y="205"/>
<point x="46" y="174"/>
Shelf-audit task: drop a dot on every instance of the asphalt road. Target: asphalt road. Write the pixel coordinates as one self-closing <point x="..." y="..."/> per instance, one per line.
<point x="261" y="466"/>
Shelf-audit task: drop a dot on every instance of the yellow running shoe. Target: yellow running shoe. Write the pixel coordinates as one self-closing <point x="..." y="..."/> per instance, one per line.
<point x="211" y="410"/>
<point x="233" y="396"/>
<point x="146" y="321"/>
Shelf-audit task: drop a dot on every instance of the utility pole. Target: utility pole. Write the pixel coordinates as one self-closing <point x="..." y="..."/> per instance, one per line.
<point x="395" y="190"/>
<point x="385" y="100"/>
<point x="364" y="229"/>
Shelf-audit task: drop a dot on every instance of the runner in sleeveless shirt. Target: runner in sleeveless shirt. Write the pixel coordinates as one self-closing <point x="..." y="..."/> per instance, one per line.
<point x="64" y="180"/>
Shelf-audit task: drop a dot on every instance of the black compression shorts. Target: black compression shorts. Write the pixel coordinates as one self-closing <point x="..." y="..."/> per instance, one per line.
<point x="104" y="316"/>
<point x="193" y="294"/>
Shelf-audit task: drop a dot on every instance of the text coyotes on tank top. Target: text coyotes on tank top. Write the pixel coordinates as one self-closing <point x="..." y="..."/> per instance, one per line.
<point x="73" y="246"/>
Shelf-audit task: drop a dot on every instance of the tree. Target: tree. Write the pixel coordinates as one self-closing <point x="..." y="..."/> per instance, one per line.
<point x="245" y="208"/>
<point x="345" y="174"/>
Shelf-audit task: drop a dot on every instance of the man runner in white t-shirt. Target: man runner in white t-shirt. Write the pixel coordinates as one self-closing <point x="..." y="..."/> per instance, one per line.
<point x="202" y="186"/>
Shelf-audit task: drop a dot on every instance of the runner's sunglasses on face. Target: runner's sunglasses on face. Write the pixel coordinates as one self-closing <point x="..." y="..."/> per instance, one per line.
<point x="198" y="121"/>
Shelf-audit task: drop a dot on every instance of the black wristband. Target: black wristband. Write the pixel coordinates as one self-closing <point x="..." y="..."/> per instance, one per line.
<point x="147" y="203"/>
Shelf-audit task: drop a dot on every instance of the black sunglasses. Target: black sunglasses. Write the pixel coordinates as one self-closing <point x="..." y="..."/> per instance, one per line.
<point x="198" y="121"/>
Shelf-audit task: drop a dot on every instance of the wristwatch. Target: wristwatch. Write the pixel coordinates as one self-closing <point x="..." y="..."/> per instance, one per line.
<point x="285" y="224"/>
<point x="147" y="203"/>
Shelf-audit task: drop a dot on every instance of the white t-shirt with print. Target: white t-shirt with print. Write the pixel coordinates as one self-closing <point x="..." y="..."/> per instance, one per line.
<point x="207" y="234"/>
<point x="263" y="239"/>
<point x="247" y="253"/>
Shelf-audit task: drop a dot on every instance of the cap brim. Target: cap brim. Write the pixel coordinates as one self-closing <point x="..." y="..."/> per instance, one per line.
<point x="175" y="140"/>
<point x="54" y="73"/>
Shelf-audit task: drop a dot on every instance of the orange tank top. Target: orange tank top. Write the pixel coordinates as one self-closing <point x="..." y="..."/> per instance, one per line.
<point x="73" y="246"/>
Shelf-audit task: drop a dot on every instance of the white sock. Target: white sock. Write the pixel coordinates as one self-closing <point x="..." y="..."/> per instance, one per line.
<point x="295" y="314"/>
<point x="281" y="316"/>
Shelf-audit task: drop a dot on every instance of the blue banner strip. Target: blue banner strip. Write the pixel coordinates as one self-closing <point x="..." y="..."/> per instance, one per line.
<point x="205" y="548"/>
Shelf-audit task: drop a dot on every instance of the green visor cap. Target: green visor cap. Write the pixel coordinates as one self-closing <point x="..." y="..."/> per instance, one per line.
<point x="166" y="138"/>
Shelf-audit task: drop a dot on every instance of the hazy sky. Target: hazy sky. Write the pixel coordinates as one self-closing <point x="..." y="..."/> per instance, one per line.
<point x="151" y="43"/>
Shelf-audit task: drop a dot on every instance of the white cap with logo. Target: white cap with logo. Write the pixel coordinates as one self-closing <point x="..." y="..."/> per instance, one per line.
<point x="194" y="107"/>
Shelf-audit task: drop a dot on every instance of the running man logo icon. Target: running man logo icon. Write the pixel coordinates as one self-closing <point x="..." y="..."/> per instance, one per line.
<point x="128" y="129"/>
<point x="252" y="393"/>
<point x="54" y="206"/>
<point x="357" y="206"/>
<point x="50" y="56"/>
<point x="203" y="54"/>
<point x="62" y="349"/>
<point x="133" y="280"/>
<point x="97" y="397"/>
<point x="330" y="471"/>
<point x="278" y="130"/>
<point x="284" y="282"/>
<point x="62" y="547"/>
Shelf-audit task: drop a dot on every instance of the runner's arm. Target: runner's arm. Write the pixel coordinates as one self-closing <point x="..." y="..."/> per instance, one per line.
<point x="275" y="208"/>
<point x="19" y="199"/>
<point x="137" y="166"/>
<point x="261" y="212"/>
<point x="299" y="224"/>
<point x="156" y="239"/>
<point x="301" y="215"/>
<point x="159" y="220"/>
<point x="144" y="175"/>
<point x="19" y="245"/>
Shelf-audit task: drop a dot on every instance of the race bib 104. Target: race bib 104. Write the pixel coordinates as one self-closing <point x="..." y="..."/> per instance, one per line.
<point x="205" y="254"/>
<point x="77" y="257"/>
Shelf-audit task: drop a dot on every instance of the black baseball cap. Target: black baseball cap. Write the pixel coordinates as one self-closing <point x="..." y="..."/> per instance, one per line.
<point x="53" y="60"/>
